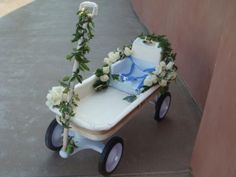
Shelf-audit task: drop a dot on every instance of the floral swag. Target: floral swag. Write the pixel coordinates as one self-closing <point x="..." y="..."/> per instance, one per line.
<point x="164" y="73"/>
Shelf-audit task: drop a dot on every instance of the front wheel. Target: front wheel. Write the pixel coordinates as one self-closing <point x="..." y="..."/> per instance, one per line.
<point x="111" y="156"/>
<point x="53" y="136"/>
<point x="162" y="106"/>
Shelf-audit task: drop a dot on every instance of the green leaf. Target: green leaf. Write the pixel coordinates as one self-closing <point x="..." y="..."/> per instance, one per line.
<point x="84" y="66"/>
<point x="69" y="56"/>
<point x="130" y="98"/>
<point x="163" y="90"/>
<point x="66" y="78"/>
<point x="99" y="72"/>
<point x="99" y="85"/>
<point x="115" y="76"/>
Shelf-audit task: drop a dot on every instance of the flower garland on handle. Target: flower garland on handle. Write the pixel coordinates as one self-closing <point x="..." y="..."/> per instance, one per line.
<point x="164" y="73"/>
<point x="63" y="97"/>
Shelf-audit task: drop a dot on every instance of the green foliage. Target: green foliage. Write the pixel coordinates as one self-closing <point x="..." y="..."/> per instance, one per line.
<point x="115" y="76"/>
<point x="99" y="85"/>
<point x="164" y="89"/>
<point x="130" y="98"/>
<point x="83" y="34"/>
<point x="70" y="146"/>
<point x="99" y="72"/>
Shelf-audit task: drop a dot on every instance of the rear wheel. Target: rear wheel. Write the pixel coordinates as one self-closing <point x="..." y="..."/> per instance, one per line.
<point x="53" y="136"/>
<point x="111" y="156"/>
<point x="162" y="106"/>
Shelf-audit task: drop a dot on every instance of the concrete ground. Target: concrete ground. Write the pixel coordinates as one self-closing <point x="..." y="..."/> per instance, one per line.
<point x="33" y="42"/>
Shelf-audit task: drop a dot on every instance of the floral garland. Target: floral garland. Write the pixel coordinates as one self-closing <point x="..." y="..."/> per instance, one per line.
<point x="64" y="97"/>
<point x="164" y="73"/>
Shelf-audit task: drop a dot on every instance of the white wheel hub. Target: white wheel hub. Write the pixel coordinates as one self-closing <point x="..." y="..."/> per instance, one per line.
<point x="114" y="157"/>
<point x="164" y="107"/>
<point x="57" y="139"/>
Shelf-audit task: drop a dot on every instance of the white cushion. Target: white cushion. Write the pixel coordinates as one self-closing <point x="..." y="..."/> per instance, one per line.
<point x="123" y="67"/>
<point x="149" y="53"/>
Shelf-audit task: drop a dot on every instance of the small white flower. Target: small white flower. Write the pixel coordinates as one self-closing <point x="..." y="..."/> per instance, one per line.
<point x="113" y="56"/>
<point x="162" y="74"/>
<point x="154" y="78"/>
<point x="110" y="54"/>
<point x="158" y="70"/>
<point x="163" y="83"/>
<point x="118" y="50"/>
<point x="107" y="61"/>
<point x="116" y="56"/>
<point x="148" y="81"/>
<point x="170" y="65"/>
<point x="128" y="51"/>
<point x="162" y="64"/>
<point x="55" y="96"/>
<point x="106" y="69"/>
<point x="104" y="78"/>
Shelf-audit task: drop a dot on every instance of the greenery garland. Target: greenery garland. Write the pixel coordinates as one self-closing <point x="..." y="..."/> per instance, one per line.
<point x="83" y="34"/>
<point x="167" y="56"/>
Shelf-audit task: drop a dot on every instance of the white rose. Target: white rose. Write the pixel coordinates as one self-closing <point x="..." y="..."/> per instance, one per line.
<point x="107" y="61"/>
<point x="162" y="74"/>
<point x="110" y="54"/>
<point x="106" y="69"/>
<point x="170" y="65"/>
<point x="104" y="78"/>
<point x="128" y="51"/>
<point x="55" y="96"/>
<point x="162" y="64"/>
<point x="154" y="78"/>
<point x="158" y="70"/>
<point x="147" y="81"/>
<point x="114" y="56"/>
<point x="163" y="83"/>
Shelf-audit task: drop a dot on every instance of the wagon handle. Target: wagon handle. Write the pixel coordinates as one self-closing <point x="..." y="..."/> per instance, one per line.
<point x="90" y="5"/>
<point x="93" y="7"/>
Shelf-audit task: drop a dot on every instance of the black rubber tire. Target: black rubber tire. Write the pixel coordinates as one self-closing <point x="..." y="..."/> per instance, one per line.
<point x="48" y="136"/>
<point x="158" y="106"/>
<point x="107" y="149"/>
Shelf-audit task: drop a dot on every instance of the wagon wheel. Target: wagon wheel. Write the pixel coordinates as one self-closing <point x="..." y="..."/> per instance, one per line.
<point x="111" y="156"/>
<point x="53" y="136"/>
<point x="162" y="106"/>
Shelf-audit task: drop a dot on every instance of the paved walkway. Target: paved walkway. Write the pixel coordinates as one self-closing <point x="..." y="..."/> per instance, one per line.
<point x="33" y="42"/>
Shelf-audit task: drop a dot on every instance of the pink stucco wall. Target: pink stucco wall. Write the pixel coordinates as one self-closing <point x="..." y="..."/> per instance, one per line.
<point x="215" y="148"/>
<point x="203" y="34"/>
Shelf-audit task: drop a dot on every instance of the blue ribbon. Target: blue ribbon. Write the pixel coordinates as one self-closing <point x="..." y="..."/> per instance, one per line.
<point x="128" y="76"/>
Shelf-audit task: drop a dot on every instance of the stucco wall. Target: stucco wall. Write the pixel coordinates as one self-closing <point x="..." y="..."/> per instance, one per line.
<point x="203" y="34"/>
<point x="194" y="28"/>
<point x="214" y="154"/>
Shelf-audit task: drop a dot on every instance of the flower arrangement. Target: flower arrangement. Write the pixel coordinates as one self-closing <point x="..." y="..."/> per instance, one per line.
<point x="64" y="97"/>
<point x="164" y="73"/>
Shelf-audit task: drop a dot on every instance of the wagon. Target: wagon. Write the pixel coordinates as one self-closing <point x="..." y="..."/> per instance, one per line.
<point x="101" y="114"/>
